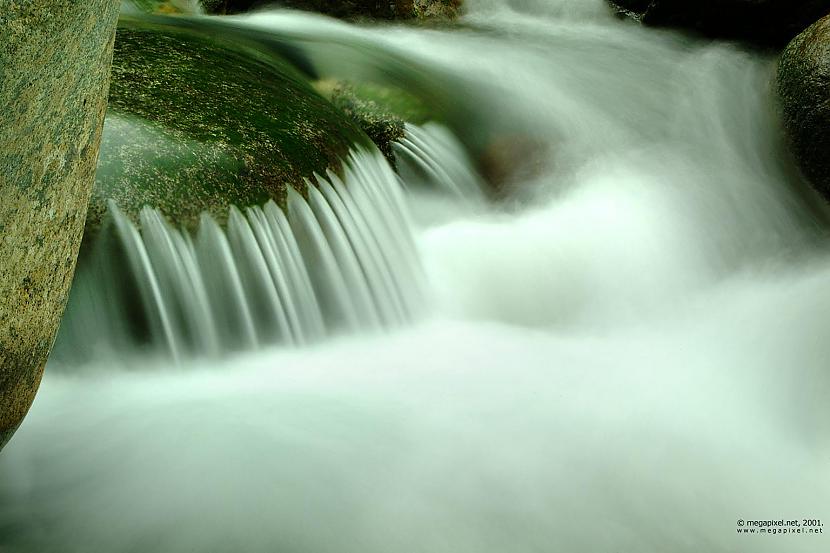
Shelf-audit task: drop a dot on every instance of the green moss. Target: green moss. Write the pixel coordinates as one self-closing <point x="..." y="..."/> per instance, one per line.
<point x="380" y="111"/>
<point x="392" y="100"/>
<point x="197" y="125"/>
<point x="380" y="124"/>
<point x="156" y="6"/>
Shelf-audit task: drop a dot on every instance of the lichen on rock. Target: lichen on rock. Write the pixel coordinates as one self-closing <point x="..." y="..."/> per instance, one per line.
<point x="54" y="65"/>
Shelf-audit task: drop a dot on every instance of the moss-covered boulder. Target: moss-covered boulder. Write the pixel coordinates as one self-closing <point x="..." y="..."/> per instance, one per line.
<point x="197" y="125"/>
<point x="804" y="93"/>
<point x="768" y="23"/>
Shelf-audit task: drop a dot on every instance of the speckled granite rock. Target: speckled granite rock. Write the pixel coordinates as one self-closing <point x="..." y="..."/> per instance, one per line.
<point x="54" y="63"/>
<point x="199" y="125"/>
<point x="804" y="95"/>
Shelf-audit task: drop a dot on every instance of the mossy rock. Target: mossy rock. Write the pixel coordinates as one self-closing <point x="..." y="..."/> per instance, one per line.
<point x="436" y="9"/>
<point x="392" y="101"/>
<point x="195" y="124"/>
<point x="164" y="7"/>
<point x="376" y="119"/>
<point x="803" y="86"/>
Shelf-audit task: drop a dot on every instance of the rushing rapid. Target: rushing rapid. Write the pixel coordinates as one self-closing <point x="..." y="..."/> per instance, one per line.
<point x="594" y="317"/>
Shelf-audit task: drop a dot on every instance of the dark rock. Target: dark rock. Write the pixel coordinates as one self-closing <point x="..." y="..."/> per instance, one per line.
<point x="199" y="125"/>
<point x="509" y="161"/>
<point x="54" y="65"/>
<point x="804" y="94"/>
<point x="348" y="9"/>
<point x="768" y="23"/>
<point x="380" y="9"/>
<point x="232" y="6"/>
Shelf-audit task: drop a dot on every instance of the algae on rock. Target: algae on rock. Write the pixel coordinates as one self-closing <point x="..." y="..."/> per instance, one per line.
<point x="197" y="124"/>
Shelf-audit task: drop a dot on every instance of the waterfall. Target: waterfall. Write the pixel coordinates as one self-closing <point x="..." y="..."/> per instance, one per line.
<point x="623" y="349"/>
<point x="341" y="260"/>
<point x="434" y="153"/>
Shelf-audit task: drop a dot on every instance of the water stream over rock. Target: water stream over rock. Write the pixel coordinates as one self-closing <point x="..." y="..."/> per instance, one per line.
<point x="628" y="351"/>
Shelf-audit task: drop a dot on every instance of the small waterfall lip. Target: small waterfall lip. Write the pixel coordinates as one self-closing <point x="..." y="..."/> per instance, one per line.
<point x="433" y="153"/>
<point x="341" y="258"/>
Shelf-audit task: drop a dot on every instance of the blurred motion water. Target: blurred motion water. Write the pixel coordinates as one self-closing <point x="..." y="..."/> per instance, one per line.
<point x="629" y="352"/>
<point x="343" y="260"/>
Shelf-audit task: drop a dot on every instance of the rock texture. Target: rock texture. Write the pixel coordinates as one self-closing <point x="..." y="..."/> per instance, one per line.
<point x="379" y="123"/>
<point x="54" y="66"/>
<point x="804" y="93"/>
<point x="768" y="23"/>
<point x="196" y="124"/>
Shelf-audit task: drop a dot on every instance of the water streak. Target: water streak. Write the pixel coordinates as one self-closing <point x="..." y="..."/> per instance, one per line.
<point x="343" y="260"/>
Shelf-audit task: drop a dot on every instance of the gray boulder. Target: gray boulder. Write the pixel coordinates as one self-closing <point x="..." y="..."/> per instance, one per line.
<point x="54" y="66"/>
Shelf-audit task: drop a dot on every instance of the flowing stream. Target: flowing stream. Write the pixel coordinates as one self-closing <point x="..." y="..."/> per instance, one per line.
<point x="628" y="350"/>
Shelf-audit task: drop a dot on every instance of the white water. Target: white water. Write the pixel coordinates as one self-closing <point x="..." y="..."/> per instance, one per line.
<point x="342" y="261"/>
<point x="629" y="355"/>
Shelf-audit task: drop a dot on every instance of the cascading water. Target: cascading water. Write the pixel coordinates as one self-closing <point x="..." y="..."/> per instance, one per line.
<point x="342" y="260"/>
<point x="628" y="353"/>
<point x="441" y="161"/>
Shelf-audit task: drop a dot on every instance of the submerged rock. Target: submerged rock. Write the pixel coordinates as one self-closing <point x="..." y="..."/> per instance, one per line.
<point x="769" y="23"/>
<point x="198" y="125"/>
<point x="804" y="93"/>
<point x="54" y="64"/>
